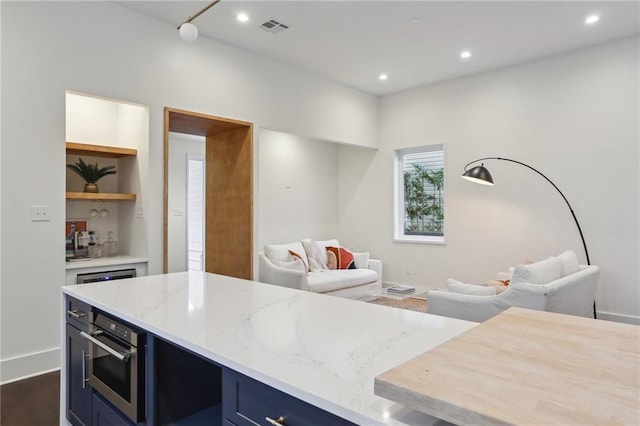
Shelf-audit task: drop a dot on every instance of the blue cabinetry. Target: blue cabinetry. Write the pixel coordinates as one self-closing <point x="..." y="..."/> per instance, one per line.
<point x="103" y="414"/>
<point x="78" y="390"/>
<point x="182" y="388"/>
<point x="247" y="402"/>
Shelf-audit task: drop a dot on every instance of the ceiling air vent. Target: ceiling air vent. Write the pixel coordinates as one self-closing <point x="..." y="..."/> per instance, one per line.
<point x="274" y="26"/>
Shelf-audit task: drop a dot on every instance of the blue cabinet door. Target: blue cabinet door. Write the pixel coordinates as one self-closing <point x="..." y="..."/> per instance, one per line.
<point x="78" y="390"/>
<point x="105" y="415"/>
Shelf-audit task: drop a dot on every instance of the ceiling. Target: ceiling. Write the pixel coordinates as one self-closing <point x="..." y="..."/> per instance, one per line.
<point x="415" y="43"/>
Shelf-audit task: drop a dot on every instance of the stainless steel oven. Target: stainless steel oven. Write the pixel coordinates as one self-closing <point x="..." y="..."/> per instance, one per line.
<point x="117" y="364"/>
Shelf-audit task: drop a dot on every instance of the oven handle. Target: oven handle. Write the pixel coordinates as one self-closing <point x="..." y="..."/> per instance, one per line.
<point x="121" y="356"/>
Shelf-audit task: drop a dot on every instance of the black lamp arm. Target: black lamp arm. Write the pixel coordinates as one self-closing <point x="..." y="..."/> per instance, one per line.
<point x="584" y="244"/>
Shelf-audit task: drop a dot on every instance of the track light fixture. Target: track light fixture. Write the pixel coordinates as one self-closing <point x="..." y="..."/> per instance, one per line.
<point x="188" y="31"/>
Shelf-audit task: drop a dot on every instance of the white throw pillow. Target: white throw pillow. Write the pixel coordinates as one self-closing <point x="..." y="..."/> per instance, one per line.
<point x="361" y="260"/>
<point x="476" y="290"/>
<point x="568" y="263"/>
<point x="314" y="254"/>
<point x="280" y="252"/>
<point x="293" y="264"/>
<point x="540" y="272"/>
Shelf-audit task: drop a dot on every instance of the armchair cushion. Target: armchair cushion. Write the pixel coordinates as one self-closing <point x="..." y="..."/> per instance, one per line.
<point x="568" y="263"/>
<point x="462" y="288"/>
<point x="540" y="272"/>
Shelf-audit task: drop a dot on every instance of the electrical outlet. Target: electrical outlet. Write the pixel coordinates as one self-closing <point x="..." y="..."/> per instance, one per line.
<point x="407" y="269"/>
<point x="40" y="214"/>
<point x="178" y="212"/>
<point x="140" y="213"/>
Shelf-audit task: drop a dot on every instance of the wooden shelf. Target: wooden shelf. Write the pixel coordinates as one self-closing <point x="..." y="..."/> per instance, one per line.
<point x="100" y="196"/>
<point x="75" y="148"/>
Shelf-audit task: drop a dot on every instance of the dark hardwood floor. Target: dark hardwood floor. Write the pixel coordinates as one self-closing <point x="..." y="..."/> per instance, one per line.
<point x="33" y="401"/>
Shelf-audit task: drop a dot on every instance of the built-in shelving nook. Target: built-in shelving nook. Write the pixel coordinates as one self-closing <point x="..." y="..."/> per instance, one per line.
<point x="110" y="133"/>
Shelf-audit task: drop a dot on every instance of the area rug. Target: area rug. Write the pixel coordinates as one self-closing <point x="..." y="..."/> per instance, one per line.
<point x="410" y="303"/>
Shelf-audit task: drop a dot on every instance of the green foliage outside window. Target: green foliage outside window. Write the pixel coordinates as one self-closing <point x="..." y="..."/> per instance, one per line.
<point x="424" y="211"/>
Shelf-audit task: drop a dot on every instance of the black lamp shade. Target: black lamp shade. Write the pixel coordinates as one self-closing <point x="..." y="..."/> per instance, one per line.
<point x="479" y="174"/>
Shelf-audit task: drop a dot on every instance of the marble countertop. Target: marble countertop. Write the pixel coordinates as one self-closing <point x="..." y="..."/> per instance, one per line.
<point x="321" y="349"/>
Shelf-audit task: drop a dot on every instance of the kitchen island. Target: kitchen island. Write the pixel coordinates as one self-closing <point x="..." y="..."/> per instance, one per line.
<point x="325" y="351"/>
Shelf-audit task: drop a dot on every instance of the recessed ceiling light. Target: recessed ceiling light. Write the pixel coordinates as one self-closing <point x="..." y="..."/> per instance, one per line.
<point x="383" y="77"/>
<point x="465" y="55"/>
<point x="242" y="17"/>
<point x="592" y="19"/>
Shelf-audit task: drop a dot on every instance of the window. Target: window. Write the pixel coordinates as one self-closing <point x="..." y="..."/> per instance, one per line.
<point x="419" y="194"/>
<point x="195" y="212"/>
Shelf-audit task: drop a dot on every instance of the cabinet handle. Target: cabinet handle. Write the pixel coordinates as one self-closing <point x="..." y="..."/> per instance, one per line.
<point x="85" y="380"/>
<point x="277" y="422"/>
<point x="74" y="313"/>
<point x="122" y="357"/>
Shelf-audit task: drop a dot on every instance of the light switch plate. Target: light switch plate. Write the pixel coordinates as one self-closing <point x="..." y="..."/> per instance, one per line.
<point x="40" y="214"/>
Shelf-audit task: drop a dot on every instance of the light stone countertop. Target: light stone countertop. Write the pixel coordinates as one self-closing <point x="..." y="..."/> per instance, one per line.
<point x="321" y="349"/>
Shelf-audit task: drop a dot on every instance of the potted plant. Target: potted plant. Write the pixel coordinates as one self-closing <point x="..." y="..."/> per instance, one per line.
<point x="91" y="173"/>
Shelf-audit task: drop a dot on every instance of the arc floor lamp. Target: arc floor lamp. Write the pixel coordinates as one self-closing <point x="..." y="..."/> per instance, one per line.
<point x="480" y="174"/>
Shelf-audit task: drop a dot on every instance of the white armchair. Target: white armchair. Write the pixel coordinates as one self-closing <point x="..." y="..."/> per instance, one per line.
<point x="573" y="294"/>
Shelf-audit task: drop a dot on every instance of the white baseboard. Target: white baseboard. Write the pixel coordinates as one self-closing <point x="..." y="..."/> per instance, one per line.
<point x="25" y="366"/>
<point x="627" y="319"/>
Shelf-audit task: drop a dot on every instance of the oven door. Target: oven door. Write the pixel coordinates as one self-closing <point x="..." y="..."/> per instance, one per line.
<point x="114" y="369"/>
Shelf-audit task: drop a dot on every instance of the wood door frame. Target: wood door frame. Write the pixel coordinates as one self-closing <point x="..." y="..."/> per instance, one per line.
<point x="209" y="126"/>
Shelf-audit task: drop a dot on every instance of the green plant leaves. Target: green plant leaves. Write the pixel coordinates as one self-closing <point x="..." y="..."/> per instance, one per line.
<point x="91" y="173"/>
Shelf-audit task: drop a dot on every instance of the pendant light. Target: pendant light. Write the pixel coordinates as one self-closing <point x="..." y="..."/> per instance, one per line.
<point x="188" y="31"/>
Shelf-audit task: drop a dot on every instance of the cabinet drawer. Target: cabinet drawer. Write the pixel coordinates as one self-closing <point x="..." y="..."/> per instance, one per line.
<point x="246" y="401"/>
<point x="77" y="313"/>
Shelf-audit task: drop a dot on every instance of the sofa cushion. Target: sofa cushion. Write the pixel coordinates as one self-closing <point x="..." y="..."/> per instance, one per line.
<point x="328" y="280"/>
<point x="323" y="248"/>
<point x="340" y="258"/>
<point x="280" y="252"/>
<point x="297" y="257"/>
<point x="293" y="264"/>
<point x="540" y="272"/>
<point x="315" y="255"/>
<point x="476" y="290"/>
<point x="568" y="263"/>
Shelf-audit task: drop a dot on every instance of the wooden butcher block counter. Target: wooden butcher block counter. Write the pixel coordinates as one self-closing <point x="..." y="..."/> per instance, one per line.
<point x="526" y="367"/>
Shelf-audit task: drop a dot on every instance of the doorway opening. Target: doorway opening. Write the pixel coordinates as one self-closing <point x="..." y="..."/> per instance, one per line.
<point x="228" y="190"/>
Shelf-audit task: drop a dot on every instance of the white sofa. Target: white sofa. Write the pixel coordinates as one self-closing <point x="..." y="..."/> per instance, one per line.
<point x="557" y="284"/>
<point x="367" y="278"/>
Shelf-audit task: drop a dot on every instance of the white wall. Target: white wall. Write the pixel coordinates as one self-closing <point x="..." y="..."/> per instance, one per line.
<point x="297" y="188"/>
<point x="180" y="147"/>
<point x="574" y="117"/>
<point x="121" y="55"/>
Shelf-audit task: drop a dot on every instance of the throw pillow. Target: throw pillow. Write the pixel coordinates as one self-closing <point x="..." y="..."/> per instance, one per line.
<point x="293" y="264"/>
<point x="361" y="260"/>
<point x="296" y="256"/>
<point x="343" y="258"/>
<point x="541" y="272"/>
<point x="568" y="263"/>
<point x="323" y="244"/>
<point x="316" y="260"/>
<point x="472" y="289"/>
